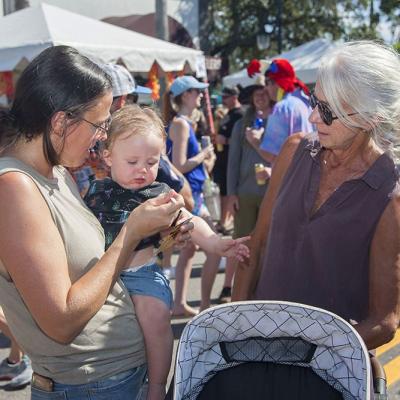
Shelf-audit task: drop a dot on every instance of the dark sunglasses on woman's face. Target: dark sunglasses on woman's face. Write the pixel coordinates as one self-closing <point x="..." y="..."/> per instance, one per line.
<point x="324" y="110"/>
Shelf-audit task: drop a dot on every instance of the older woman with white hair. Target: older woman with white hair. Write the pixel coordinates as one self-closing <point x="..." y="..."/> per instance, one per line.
<point x="328" y="233"/>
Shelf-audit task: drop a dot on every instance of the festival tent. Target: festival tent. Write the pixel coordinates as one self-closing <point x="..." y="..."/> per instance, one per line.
<point x="25" y="33"/>
<point x="305" y="60"/>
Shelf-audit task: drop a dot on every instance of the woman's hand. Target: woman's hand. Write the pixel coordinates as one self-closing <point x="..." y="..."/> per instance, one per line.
<point x="184" y="234"/>
<point x="208" y="152"/>
<point x="253" y="136"/>
<point x="154" y="215"/>
<point x="233" y="248"/>
<point x="178" y="233"/>
<point x="263" y="174"/>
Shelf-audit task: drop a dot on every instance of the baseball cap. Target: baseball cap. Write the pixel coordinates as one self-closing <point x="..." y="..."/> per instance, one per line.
<point x="122" y="81"/>
<point x="184" y="83"/>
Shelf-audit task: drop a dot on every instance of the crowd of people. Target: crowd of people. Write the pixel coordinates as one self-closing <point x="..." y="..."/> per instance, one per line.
<point x="308" y="190"/>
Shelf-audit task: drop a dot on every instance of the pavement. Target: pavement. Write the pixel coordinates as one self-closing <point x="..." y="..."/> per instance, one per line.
<point x="389" y="355"/>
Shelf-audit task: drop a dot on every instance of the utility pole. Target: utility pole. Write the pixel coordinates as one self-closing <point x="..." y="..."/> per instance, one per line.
<point x="162" y="20"/>
<point x="9" y="6"/>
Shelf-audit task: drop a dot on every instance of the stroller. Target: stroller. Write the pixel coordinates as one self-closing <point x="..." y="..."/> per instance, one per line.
<point x="272" y="350"/>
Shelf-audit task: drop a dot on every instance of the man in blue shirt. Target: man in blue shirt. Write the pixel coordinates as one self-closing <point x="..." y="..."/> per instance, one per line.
<point x="291" y="111"/>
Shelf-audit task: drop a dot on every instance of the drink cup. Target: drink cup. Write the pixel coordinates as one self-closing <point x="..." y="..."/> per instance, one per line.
<point x="220" y="147"/>
<point x="205" y="141"/>
<point x="259" y="167"/>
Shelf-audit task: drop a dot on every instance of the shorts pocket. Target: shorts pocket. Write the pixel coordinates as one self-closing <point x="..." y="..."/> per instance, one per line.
<point x="126" y="389"/>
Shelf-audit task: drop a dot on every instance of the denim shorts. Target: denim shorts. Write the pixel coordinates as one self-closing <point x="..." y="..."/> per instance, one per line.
<point x="123" y="386"/>
<point x="148" y="280"/>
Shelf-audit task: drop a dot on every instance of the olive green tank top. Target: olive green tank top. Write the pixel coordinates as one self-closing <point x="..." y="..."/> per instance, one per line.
<point x="112" y="341"/>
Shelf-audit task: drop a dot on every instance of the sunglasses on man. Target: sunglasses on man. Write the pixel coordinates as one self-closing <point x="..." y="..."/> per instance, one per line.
<point x="324" y="110"/>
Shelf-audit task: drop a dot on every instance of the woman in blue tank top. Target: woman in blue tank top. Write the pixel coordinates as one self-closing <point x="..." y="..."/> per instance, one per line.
<point x="195" y="176"/>
<point x="183" y="97"/>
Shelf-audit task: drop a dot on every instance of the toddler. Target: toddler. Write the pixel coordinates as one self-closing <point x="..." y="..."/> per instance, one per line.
<point x="132" y="151"/>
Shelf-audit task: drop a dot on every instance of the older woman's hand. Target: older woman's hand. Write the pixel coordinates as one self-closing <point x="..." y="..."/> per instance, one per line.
<point x="184" y="235"/>
<point x="155" y="215"/>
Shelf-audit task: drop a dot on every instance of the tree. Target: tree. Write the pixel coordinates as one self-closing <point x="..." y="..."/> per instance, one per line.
<point x="232" y="26"/>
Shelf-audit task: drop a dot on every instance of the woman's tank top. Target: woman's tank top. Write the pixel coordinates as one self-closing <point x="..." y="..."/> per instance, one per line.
<point x="112" y="341"/>
<point x="196" y="176"/>
<point x="322" y="259"/>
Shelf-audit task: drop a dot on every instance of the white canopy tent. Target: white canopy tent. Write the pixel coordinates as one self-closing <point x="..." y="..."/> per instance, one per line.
<point x="25" y="33"/>
<point x="305" y="60"/>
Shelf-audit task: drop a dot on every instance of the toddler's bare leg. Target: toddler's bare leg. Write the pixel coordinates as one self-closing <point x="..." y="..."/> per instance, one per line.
<point x="155" y="320"/>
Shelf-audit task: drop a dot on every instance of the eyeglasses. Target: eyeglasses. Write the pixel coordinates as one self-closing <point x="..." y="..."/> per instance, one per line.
<point x="103" y="127"/>
<point x="324" y="110"/>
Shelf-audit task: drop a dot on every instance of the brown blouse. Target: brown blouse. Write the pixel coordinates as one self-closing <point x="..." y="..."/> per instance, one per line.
<point x="322" y="259"/>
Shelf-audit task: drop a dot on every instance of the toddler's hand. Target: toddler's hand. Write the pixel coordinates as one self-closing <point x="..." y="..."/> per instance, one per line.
<point x="234" y="248"/>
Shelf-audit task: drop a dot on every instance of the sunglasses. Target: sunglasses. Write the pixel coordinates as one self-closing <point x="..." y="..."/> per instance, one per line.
<point x="324" y="110"/>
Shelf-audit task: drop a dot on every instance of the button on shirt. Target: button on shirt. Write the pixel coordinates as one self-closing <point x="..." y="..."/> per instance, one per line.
<point x="290" y="115"/>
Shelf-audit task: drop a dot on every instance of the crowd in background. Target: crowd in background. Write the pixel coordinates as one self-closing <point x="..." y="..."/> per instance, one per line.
<point x="265" y="138"/>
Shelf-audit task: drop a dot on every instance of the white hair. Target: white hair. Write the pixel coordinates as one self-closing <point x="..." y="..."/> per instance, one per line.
<point x="365" y="76"/>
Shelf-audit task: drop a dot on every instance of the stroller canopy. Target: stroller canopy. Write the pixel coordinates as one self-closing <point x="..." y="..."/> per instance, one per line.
<point x="275" y="332"/>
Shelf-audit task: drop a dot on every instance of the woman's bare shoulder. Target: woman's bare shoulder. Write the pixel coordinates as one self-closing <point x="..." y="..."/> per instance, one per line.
<point x="20" y="196"/>
<point x="16" y="183"/>
<point x="179" y="127"/>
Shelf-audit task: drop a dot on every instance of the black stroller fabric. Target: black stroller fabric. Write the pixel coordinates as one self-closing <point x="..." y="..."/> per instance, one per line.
<point x="267" y="381"/>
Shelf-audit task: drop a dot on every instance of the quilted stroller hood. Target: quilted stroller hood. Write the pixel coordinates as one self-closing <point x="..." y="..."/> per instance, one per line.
<point x="270" y="331"/>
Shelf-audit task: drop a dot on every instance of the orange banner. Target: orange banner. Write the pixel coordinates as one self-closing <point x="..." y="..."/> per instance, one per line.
<point x="153" y="83"/>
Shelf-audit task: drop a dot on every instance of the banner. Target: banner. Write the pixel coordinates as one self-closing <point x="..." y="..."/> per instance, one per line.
<point x="153" y="82"/>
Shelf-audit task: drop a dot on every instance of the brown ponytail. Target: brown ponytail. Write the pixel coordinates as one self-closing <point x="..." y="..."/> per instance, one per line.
<point x="168" y="111"/>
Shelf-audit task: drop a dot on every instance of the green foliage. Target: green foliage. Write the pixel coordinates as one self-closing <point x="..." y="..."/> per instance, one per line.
<point x="232" y="26"/>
